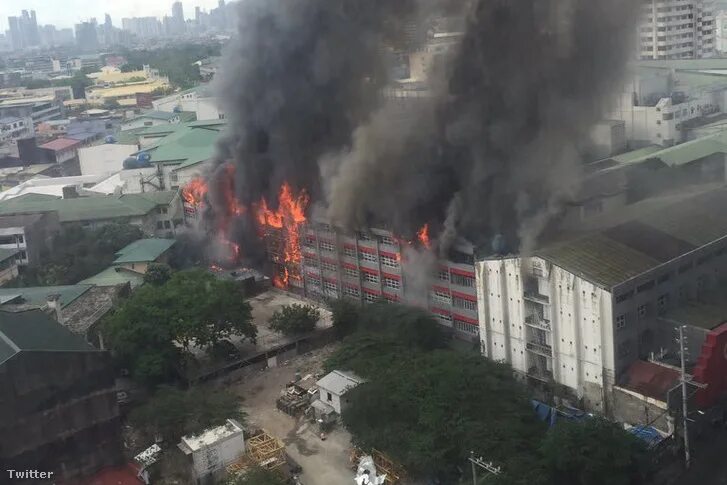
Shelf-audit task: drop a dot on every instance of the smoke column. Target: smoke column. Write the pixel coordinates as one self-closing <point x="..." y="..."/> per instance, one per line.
<point x="491" y="150"/>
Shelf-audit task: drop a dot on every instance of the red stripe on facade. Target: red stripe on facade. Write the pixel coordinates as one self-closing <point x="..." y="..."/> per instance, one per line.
<point x="349" y="246"/>
<point x="392" y="276"/>
<point x="439" y="311"/>
<point x="464" y="296"/>
<point x="442" y="289"/>
<point x="371" y="292"/>
<point x="461" y="272"/>
<point x="367" y="250"/>
<point x="369" y="270"/>
<point x="391" y="297"/>
<point x="313" y="276"/>
<point x="331" y="280"/>
<point x="389" y="255"/>
<point x="331" y="261"/>
<point x="349" y="265"/>
<point x="471" y="321"/>
<point x="350" y="285"/>
<point x="309" y="255"/>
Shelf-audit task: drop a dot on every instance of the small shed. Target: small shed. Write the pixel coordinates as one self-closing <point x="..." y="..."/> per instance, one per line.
<point x="213" y="450"/>
<point x="333" y="387"/>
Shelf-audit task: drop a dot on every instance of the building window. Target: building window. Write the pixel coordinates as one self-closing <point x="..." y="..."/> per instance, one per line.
<point x="160" y="225"/>
<point x="389" y="261"/>
<point x="174" y="177"/>
<point x="310" y="242"/>
<point x="462" y="303"/>
<point x="370" y="277"/>
<point x="370" y="297"/>
<point x="328" y="266"/>
<point x="460" y="280"/>
<point x="364" y="236"/>
<point x="329" y="396"/>
<point x="351" y="291"/>
<point x="327" y="246"/>
<point x="350" y="252"/>
<point x="445" y="319"/>
<point x="310" y="260"/>
<point x="643" y="310"/>
<point x="387" y="240"/>
<point x="366" y="256"/>
<point x="624" y="296"/>
<point x="350" y="272"/>
<point x="466" y="327"/>
<point x="167" y="224"/>
<point x="662" y="302"/>
<point x="21" y="239"/>
<point x="620" y="322"/>
<point x="392" y="283"/>
<point x="313" y="282"/>
<point x="441" y="297"/>
<point x="645" y="287"/>
<point x="23" y="255"/>
<point x="162" y="210"/>
<point x="443" y="275"/>
<point x="330" y="286"/>
<point x="391" y="298"/>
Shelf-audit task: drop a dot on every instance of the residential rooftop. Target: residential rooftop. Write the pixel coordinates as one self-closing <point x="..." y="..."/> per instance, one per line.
<point x="37" y="296"/>
<point x="144" y="250"/>
<point x="113" y="276"/>
<point x="35" y="331"/>
<point x="338" y="381"/>
<point x="186" y="144"/>
<point x="210" y="436"/>
<point x="61" y="144"/>
<point x="101" y="207"/>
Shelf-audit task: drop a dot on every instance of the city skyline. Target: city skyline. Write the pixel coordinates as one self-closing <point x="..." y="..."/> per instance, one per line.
<point x="66" y="14"/>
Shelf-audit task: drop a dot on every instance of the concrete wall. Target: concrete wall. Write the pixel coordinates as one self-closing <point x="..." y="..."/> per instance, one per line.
<point x="334" y="401"/>
<point x="636" y="409"/>
<point x="217" y="456"/>
<point x="8" y="270"/>
<point x="106" y="158"/>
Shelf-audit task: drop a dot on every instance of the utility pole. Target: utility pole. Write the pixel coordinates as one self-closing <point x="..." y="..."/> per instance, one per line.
<point x="685" y="397"/>
<point x="480" y="462"/>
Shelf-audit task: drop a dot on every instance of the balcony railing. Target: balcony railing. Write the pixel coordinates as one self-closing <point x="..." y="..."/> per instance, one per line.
<point x="536" y="297"/>
<point x="538" y="322"/>
<point x="540" y="349"/>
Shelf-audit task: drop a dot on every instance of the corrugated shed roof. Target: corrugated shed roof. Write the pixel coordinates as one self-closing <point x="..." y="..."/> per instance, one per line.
<point x="100" y="207"/>
<point x="650" y="379"/>
<point x="143" y="250"/>
<point x="113" y="276"/>
<point x="338" y="382"/>
<point x="187" y="146"/>
<point x="637" y="155"/>
<point x="34" y="330"/>
<point x="38" y="295"/>
<point x="60" y="144"/>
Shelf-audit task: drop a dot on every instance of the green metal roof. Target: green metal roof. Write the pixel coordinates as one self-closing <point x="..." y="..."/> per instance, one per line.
<point x="101" y="207"/>
<point x="683" y="153"/>
<point x="34" y="330"/>
<point x="7" y="253"/>
<point x="636" y="155"/>
<point x="38" y="295"/>
<point x="143" y="250"/>
<point x="113" y="276"/>
<point x="186" y="146"/>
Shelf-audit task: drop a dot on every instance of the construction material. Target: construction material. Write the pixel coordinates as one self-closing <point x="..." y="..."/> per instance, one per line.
<point x="384" y="465"/>
<point x="266" y="451"/>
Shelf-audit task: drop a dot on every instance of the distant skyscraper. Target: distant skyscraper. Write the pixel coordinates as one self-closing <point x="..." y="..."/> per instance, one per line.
<point x="177" y="22"/>
<point x="676" y="29"/>
<point x="24" y="30"/>
<point x="16" y="37"/>
<point x="86" y="36"/>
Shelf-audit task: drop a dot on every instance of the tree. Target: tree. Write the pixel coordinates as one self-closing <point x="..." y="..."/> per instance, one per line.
<point x="150" y="331"/>
<point x="428" y="410"/>
<point x="345" y="315"/>
<point x="157" y="274"/>
<point x="258" y="476"/>
<point x="594" y="452"/>
<point x="111" y="104"/>
<point x="295" y="319"/>
<point x="172" y="413"/>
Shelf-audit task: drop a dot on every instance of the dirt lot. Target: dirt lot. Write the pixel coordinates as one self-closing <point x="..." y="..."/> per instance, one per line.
<point x="323" y="462"/>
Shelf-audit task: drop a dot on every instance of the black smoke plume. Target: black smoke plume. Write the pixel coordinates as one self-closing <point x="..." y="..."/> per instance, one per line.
<point x="492" y="149"/>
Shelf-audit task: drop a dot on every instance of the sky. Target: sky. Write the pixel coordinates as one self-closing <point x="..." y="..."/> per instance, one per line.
<point x="66" y="13"/>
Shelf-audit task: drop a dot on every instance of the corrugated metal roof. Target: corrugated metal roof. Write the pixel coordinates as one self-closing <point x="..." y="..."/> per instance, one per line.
<point x="60" y="144"/>
<point x="143" y="250"/>
<point x="650" y="379"/>
<point x="113" y="276"/>
<point x="38" y="295"/>
<point x="338" y="382"/>
<point x="34" y="330"/>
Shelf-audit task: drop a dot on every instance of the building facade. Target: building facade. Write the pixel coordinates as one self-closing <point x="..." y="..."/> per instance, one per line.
<point x="30" y="235"/>
<point x="676" y="29"/>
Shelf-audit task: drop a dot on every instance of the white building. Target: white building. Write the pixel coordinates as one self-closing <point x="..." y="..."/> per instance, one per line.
<point x="333" y="387"/>
<point x="210" y="452"/>
<point x="104" y="159"/>
<point x="676" y="29"/>
<point x="13" y="128"/>
<point x="151" y="118"/>
<point x="720" y="32"/>
<point x="199" y="100"/>
<point x="576" y="315"/>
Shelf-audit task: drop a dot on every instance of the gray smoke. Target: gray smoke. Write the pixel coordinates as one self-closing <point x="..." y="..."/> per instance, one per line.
<point x="491" y="150"/>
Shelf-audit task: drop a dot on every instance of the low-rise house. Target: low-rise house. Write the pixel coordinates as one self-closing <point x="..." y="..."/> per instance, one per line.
<point x="114" y="276"/>
<point x="154" y="118"/>
<point x="61" y="149"/>
<point x="139" y="254"/>
<point x="156" y="213"/>
<point x="333" y="387"/>
<point x="58" y="411"/>
<point x="8" y="265"/>
<point x="212" y="450"/>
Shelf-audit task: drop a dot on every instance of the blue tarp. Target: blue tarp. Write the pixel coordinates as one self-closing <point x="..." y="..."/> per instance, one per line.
<point x="649" y="434"/>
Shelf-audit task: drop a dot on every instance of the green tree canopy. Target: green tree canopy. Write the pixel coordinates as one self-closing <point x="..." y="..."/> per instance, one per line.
<point x="150" y="331"/>
<point x="594" y="452"/>
<point x="295" y="319"/>
<point x="172" y="413"/>
<point x="157" y="274"/>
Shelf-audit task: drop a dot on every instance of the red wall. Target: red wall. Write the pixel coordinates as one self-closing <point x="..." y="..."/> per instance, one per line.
<point x="711" y="368"/>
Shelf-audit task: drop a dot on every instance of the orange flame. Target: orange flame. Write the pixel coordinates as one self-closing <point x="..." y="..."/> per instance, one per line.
<point x="288" y="218"/>
<point x="193" y="193"/>
<point x="423" y="236"/>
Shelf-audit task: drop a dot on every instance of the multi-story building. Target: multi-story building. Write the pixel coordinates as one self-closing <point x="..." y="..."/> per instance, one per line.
<point x="676" y="29"/>
<point x="376" y="265"/>
<point x="8" y="265"/>
<point x="720" y="32"/>
<point x="59" y="410"/>
<point x="576" y="315"/>
<point x="12" y="128"/>
<point x="30" y="235"/>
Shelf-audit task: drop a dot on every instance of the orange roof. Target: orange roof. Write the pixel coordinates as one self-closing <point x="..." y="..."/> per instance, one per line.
<point x="650" y="379"/>
<point x="60" y="144"/>
<point x="121" y="475"/>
